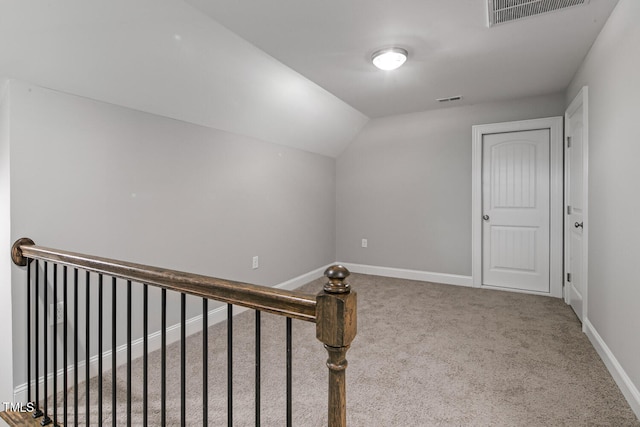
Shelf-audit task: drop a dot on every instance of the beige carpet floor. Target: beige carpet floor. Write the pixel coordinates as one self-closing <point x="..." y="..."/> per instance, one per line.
<point x="425" y="355"/>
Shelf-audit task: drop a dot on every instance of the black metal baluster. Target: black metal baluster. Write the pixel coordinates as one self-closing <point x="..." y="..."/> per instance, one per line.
<point x="65" y="344"/>
<point x="29" y="356"/>
<point x="289" y="374"/>
<point x="258" y="339"/>
<point x="100" y="327"/>
<point x="145" y="350"/>
<point x="75" y="346"/>
<point x="45" y="328"/>
<point x="128" y="353"/>
<point x="55" y="344"/>
<point x="229" y="365"/>
<point x="205" y="362"/>
<point x="87" y="353"/>
<point x="114" y="385"/>
<point x="163" y="363"/>
<point x="183" y="359"/>
<point x="37" y="412"/>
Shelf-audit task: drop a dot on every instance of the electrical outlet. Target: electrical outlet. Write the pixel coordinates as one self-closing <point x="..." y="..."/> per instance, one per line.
<point x="255" y="264"/>
<point x="364" y="243"/>
<point x="58" y="312"/>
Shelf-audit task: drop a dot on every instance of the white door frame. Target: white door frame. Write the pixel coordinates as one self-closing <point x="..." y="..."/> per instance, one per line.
<point x="554" y="124"/>
<point x="581" y="99"/>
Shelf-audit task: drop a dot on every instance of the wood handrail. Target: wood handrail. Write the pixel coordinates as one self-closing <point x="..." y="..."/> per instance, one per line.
<point x="292" y="304"/>
<point x="333" y="309"/>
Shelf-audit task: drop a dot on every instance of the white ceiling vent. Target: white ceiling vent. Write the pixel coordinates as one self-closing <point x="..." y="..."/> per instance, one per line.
<point x="501" y="11"/>
<point x="450" y="98"/>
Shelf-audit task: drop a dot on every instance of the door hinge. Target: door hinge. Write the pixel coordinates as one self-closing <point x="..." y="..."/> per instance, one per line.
<point x="568" y="210"/>
<point x="568" y="142"/>
<point x="569" y="277"/>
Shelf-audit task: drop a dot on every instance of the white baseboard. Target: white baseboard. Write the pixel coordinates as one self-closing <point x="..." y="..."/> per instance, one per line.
<point x="629" y="390"/>
<point x="193" y="326"/>
<point x="303" y="279"/>
<point x="401" y="273"/>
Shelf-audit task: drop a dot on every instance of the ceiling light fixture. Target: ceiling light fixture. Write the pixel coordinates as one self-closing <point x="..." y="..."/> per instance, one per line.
<point x="389" y="58"/>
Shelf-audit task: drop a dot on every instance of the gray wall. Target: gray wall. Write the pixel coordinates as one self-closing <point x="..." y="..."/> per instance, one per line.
<point x="404" y="184"/>
<point x="611" y="72"/>
<point x="106" y="180"/>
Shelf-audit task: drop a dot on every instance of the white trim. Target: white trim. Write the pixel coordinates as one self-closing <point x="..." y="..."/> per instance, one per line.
<point x="554" y="124"/>
<point x="193" y="325"/>
<point x="628" y="389"/>
<point x="7" y="358"/>
<point x="401" y="273"/>
<point x="303" y="279"/>
<point x="518" y="291"/>
<point x="581" y="99"/>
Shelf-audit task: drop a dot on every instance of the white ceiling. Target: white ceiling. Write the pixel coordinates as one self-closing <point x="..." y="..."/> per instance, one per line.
<point x="451" y="49"/>
<point x="163" y="57"/>
<point x="291" y="72"/>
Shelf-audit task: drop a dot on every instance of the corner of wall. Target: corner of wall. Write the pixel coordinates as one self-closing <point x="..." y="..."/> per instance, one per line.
<point x="6" y="354"/>
<point x="608" y="69"/>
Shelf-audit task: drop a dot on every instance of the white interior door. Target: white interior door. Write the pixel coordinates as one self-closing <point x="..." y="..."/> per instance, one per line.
<point x="516" y="210"/>
<point x="575" y="280"/>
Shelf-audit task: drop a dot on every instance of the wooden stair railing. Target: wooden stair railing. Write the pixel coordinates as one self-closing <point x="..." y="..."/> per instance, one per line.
<point x="333" y="310"/>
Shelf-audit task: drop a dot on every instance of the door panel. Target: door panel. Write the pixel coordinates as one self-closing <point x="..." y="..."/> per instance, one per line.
<point x="513" y="248"/>
<point x="515" y="199"/>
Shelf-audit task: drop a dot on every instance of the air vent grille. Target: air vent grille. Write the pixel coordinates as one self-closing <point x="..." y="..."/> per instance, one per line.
<point x="501" y="11"/>
<point x="450" y="98"/>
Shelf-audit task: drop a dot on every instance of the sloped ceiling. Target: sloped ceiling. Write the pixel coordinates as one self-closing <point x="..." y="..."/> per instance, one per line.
<point x="166" y="58"/>
<point x="292" y="72"/>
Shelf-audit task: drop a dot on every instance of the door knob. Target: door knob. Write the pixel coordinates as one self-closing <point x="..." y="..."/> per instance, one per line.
<point x="578" y="224"/>
<point x="485" y="217"/>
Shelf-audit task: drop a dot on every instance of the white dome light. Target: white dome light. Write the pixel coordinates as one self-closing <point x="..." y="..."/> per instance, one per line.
<point x="390" y="58"/>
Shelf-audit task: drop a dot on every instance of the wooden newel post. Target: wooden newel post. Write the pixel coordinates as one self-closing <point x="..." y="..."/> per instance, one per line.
<point x="336" y="328"/>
